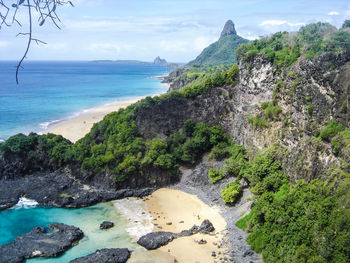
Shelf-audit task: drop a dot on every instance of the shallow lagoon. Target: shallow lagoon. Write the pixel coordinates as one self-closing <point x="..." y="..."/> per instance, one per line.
<point x="15" y="222"/>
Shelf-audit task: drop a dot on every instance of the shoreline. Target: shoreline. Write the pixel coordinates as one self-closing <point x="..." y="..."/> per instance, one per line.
<point x="78" y="125"/>
<point x="173" y="210"/>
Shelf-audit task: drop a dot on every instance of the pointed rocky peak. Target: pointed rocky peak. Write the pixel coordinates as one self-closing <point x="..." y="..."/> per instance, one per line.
<point x="229" y="29"/>
<point x="159" y="61"/>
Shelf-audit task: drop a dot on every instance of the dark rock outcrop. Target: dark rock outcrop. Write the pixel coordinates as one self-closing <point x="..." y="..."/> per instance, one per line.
<point x="41" y="242"/>
<point x="205" y="228"/>
<point x="106" y="225"/>
<point x="155" y="240"/>
<point x="111" y="255"/>
<point x="229" y="29"/>
<point x="60" y="189"/>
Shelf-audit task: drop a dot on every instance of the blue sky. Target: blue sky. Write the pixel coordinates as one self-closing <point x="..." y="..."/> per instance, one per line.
<point x="174" y="29"/>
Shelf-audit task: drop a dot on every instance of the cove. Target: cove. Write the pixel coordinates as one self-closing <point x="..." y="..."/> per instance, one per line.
<point x="18" y="221"/>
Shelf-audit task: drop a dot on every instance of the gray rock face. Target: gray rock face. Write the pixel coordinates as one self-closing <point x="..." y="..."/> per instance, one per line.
<point x="112" y="255"/>
<point x="155" y="240"/>
<point x="229" y="29"/>
<point x="41" y="242"/>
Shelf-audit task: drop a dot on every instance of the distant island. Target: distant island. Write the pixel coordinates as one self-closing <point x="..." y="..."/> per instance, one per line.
<point x="156" y="61"/>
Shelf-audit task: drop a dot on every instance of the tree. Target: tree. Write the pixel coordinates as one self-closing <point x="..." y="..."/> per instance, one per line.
<point x="346" y="23"/>
<point x="44" y="9"/>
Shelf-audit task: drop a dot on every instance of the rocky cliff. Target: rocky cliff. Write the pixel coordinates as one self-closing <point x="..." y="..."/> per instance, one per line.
<point x="321" y="83"/>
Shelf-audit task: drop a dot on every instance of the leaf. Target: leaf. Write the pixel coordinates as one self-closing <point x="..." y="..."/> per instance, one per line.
<point x="21" y="2"/>
<point x="42" y="22"/>
<point x="14" y="5"/>
<point x="54" y="8"/>
<point x="70" y="3"/>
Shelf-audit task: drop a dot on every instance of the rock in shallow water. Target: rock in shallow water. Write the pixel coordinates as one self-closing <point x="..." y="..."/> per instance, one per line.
<point x="106" y="225"/>
<point x="112" y="255"/>
<point x="41" y="242"/>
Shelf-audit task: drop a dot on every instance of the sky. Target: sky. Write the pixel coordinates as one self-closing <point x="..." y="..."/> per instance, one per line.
<point x="177" y="30"/>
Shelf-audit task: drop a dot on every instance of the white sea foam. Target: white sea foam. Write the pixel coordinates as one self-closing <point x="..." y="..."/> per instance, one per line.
<point x="1" y="140"/>
<point x="47" y="124"/>
<point x="139" y="220"/>
<point x="25" y="203"/>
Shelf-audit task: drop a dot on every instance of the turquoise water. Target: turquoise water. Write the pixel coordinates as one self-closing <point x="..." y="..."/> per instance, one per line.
<point x="15" y="222"/>
<point x="51" y="91"/>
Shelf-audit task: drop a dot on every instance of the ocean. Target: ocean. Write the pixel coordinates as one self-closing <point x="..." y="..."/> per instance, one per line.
<point x="53" y="91"/>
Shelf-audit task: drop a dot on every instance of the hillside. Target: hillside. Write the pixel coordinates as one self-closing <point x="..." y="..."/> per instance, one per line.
<point x="276" y="122"/>
<point x="223" y="51"/>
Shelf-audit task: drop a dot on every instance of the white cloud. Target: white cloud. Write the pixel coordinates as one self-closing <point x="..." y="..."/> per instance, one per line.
<point x="133" y="24"/>
<point x="280" y="23"/>
<point x="190" y="45"/>
<point x="108" y="48"/>
<point x="4" y="43"/>
<point x="273" y="23"/>
<point x="333" y="13"/>
<point x="202" y="42"/>
<point x="249" y="36"/>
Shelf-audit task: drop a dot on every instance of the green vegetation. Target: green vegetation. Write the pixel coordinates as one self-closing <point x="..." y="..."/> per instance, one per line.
<point x="222" y="52"/>
<point x="54" y="150"/>
<point x="283" y="49"/>
<point x="341" y="143"/>
<point x="215" y="175"/>
<point x="219" y="151"/>
<point x="302" y="222"/>
<point x="243" y="222"/>
<point x="271" y="112"/>
<point x="346" y="24"/>
<point x="116" y="146"/>
<point x="332" y="129"/>
<point x="231" y="192"/>
<point x="211" y="80"/>
<point x="309" y="108"/>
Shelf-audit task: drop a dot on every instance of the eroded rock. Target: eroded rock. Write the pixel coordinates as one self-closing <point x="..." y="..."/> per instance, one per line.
<point x="41" y="242"/>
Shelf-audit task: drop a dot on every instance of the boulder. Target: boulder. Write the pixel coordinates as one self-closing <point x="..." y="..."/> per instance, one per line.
<point x="155" y="240"/>
<point x="106" y="255"/>
<point x="106" y="225"/>
<point x="41" y="242"/>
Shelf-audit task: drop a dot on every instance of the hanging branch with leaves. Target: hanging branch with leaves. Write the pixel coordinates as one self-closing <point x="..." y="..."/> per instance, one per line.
<point x="44" y="9"/>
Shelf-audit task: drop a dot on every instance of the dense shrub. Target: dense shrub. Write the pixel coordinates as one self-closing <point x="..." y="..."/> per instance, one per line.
<point x="219" y="151"/>
<point x="328" y="132"/>
<point x="231" y="192"/>
<point x="215" y="175"/>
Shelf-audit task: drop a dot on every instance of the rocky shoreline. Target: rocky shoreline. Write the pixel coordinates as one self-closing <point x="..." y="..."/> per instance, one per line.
<point x="195" y="181"/>
<point x="59" y="189"/>
<point x="41" y="242"/>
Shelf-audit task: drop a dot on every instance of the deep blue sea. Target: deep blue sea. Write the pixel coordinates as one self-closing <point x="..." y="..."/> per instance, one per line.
<point x="51" y="91"/>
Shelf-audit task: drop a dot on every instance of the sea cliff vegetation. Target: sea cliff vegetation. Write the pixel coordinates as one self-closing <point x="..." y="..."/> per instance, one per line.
<point x="297" y="166"/>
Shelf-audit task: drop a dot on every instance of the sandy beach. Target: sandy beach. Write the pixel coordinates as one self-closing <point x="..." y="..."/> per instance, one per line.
<point x="183" y="211"/>
<point x="77" y="127"/>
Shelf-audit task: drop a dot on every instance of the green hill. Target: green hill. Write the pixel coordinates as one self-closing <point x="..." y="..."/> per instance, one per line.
<point x="223" y="51"/>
